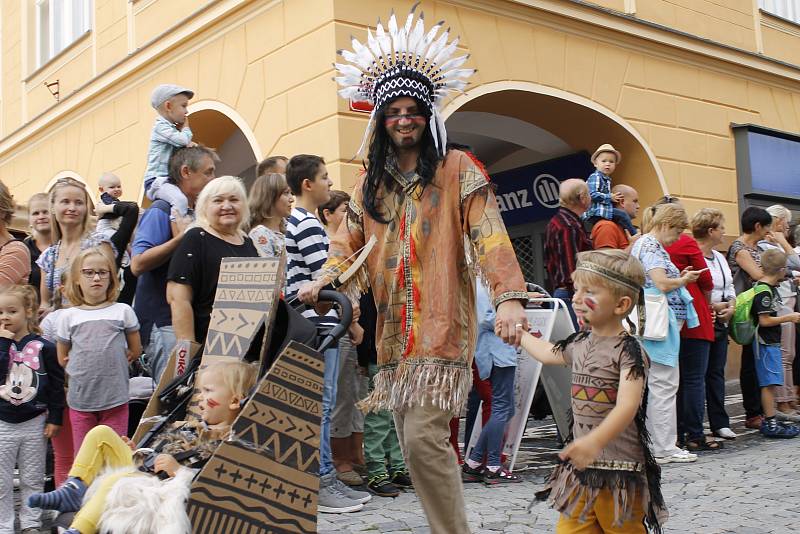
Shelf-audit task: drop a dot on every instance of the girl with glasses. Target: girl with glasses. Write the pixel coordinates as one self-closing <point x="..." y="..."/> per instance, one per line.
<point x="96" y="339"/>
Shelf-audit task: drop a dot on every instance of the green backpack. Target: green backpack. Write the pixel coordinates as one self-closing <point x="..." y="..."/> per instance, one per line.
<point x="743" y="325"/>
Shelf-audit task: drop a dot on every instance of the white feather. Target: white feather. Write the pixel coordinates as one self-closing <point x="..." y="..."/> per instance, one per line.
<point x="426" y="42"/>
<point x="446" y="52"/>
<point x="373" y="45"/>
<point x="348" y="70"/>
<point x="437" y="46"/>
<point x="453" y="63"/>
<point x="416" y="36"/>
<point x="384" y="41"/>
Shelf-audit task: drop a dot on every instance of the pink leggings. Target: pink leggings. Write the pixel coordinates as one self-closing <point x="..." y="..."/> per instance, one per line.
<point x="63" y="455"/>
<point x="83" y="422"/>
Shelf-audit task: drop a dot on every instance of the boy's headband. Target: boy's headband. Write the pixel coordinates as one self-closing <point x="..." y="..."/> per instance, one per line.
<point x="622" y="280"/>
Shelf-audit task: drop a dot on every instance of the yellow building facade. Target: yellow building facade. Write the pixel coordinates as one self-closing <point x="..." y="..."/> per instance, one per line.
<point x="662" y="80"/>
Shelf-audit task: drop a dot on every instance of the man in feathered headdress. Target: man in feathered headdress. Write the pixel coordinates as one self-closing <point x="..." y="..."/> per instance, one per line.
<point x="421" y="202"/>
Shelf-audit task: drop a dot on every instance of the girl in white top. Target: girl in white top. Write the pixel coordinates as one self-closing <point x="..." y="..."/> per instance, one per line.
<point x="270" y="203"/>
<point x="708" y="227"/>
<point x="96" y="340"/>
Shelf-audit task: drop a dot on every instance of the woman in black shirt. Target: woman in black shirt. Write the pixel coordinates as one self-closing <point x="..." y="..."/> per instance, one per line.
<point x="221" y="209"/>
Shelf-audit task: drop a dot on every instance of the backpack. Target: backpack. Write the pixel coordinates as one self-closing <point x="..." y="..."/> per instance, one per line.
<point x="743" y="325"/>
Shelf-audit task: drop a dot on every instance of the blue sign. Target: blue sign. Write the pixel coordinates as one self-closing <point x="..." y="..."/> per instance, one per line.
<point x="528" y="194"/>
<point x="774" y="165"/>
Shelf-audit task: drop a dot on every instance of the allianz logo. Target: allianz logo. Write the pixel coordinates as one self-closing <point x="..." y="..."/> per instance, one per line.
<point x="545" y="193"/>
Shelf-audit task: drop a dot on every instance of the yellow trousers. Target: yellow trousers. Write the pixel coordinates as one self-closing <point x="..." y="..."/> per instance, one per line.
<point x="600" y="518"/>
<point x="102" y="449"/>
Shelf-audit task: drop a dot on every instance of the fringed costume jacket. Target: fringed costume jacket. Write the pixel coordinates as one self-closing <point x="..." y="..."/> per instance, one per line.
<point x="422" y="271"/>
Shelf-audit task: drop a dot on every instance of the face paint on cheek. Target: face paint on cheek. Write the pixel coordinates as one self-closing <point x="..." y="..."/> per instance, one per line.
<point x="211" y="403"/>
<point x="590" y="303"/>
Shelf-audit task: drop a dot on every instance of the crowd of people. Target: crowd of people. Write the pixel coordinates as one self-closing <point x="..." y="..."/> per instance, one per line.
<point x="439" y="312"/>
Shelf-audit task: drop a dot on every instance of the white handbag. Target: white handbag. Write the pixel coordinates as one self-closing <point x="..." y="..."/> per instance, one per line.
<point x="656" y="326"/>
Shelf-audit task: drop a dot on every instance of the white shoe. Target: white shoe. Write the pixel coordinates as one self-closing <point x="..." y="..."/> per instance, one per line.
<point x="680" y="457"/>
<point x="725" y="433"/>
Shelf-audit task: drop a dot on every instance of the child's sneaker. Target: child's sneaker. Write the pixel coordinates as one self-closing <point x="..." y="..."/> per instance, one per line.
<point x="773" y="429"/>
<point x="501" y="476"/>
<point x="402" y="480"/>
<point x="382" y="487"/>
<point x="469" y="474"/>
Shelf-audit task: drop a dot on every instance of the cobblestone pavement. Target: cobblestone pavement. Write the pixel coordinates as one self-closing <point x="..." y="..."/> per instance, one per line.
<point x="752" y="486"/>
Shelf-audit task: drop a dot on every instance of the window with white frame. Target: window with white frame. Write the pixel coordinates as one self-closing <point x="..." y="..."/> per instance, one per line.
<point x="59" y="23"/>
<point x="787" y="9"/>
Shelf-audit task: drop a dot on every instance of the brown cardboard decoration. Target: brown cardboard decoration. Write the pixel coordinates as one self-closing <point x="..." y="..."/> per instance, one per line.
<point x="247" y="294"/>
<point x="265" y="480"/>
<point x="248" y="290"/>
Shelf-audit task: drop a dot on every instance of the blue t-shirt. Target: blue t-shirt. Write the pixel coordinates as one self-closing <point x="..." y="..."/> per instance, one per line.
<point x="150" y="304"/>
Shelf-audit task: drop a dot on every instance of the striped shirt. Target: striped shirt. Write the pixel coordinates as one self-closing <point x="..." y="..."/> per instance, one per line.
<point x="564" y="238"/>
<point x="306" y="253"/>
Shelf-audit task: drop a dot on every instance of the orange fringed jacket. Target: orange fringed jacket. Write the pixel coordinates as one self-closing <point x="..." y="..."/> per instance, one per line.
<point x="422" y="274"/>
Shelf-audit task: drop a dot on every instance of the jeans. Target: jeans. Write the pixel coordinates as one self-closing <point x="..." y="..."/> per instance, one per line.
<point x="622" y="218"/>
<point x="715" y="382"/>
<point x="481" y="391"/>
<point x="328" y="403"/>
<point x="692" y="388"/>
<point x="566" y="296"/>
<point x="751" y="393"/>
<point x="162" y="341"/>
<point x="491" y="438"/>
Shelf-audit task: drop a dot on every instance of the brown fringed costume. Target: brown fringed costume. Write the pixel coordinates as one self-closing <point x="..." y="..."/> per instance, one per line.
<point x="626" y="466"/>
<point x="422" y="280"/>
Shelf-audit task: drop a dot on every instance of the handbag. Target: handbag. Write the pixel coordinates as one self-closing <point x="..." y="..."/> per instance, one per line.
<point x="656" y="309"/>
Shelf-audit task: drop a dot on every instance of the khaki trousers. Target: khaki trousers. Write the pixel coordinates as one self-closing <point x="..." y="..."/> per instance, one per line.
<point x="424" y="433"/>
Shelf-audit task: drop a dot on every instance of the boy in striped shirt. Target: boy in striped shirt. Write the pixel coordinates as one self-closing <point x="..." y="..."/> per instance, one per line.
<point x="306" y="253"/>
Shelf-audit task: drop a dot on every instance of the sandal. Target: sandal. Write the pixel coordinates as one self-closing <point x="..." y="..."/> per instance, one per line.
<point x="695" y="445"/>
<point x="501" y="476"/>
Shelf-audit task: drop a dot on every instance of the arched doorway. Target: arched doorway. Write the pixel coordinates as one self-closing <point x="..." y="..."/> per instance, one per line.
<point x="220" y="127"/>
<point x="530" y="137"/>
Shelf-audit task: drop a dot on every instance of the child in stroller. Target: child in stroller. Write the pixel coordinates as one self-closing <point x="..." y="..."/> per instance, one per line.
<point x="179" y="454"/>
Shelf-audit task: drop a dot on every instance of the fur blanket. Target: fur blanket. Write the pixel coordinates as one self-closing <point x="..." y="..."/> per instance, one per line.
<point x="144" y="504"/>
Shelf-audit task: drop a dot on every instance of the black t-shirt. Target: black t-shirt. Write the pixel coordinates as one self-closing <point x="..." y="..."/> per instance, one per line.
<point x="196" y="263"/>
<point x="768" y="302"/>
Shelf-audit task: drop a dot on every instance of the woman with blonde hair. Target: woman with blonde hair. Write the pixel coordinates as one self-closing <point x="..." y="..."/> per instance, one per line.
<point x="70" y="210"/>
<point x="40" y="234"/>
<point x="221" y="211"/>
<point x="662" y="226"/>
<point x="270" y="202"/>
<point x="15" y="260"/>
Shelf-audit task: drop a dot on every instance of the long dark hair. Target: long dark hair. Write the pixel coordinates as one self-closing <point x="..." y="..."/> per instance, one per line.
<point x="375" y="173"/>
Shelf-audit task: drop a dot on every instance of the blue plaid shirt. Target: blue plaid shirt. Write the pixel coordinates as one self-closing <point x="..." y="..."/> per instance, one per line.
<point x="164" y="138"/>
<point x="600" y="193"/>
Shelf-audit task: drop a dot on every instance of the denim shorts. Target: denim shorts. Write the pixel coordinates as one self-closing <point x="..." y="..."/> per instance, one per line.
<point x="769" y="366"/>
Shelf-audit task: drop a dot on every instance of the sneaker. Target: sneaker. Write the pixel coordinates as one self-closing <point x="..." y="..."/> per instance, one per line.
<point x="402" y="480"/>
<point x="724" y="433"/>
<point x="501" y="476"/>
<point x="381" y="485"/>
<point x="680" y="457"/>
<point x="773" y="429"/>
<point x="469" y="474"/>
<point x="754" y="422"/>
<point x="359" y="496"/>
<point x="792" y="417"/>
<point x="351" y="478"/>
<point x="331" y="500"/>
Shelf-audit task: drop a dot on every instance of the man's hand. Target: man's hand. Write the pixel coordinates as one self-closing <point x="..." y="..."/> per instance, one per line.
<point x="309" y="293"/>
<point x="166" y="463"/>
<point x="510" y="314"/>
<point x="580" y="453"/>
<point x="51" y="430"/>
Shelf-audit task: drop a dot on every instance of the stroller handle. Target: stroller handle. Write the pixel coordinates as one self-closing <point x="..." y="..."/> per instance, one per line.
<point x="345" y="317"/>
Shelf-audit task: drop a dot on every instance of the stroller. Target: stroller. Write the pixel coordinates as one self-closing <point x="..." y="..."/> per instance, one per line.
<point x="264" y="479"/>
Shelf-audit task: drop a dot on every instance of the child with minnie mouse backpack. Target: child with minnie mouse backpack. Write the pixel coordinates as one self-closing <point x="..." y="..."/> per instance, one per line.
<point x="31" y="403"/>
